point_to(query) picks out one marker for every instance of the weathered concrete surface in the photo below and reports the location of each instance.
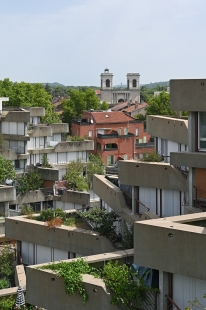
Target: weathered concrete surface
(151, 174)
(81, 198)
(66, 238)
(188, 95)
(172, 244)
(7, 193)
(172, 129)
(46, 289)
(188, 159)
(48, 173)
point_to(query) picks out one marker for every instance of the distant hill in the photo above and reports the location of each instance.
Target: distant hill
(156, 84)
(55, 84)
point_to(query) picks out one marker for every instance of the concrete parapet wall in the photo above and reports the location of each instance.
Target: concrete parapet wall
(168, 128)
(30, 197)
(46, 289)
(174, 244)
(60, 128)
(188, 95)
(151, 174)
(82, 198)
(37, 111)
(188, 159)
(64, 238)
(48, 173)
(7, 193)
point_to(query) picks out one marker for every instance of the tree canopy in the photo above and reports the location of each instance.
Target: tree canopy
(160, 105)
(28, 95)
(80, 100)
(6, 169)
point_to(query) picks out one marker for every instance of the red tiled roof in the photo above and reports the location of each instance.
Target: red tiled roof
(98, 92)
(139, 107)
(110, 117)
(120, 106)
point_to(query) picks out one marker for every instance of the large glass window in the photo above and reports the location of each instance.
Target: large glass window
(202, 130)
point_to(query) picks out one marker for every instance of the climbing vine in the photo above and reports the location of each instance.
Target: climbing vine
(118, 278)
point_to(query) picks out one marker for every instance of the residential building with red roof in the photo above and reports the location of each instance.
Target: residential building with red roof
(115, 134)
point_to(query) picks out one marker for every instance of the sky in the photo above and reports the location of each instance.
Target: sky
(72, 41)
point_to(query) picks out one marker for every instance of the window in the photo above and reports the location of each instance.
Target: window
(144, 139)
(202, 130)
(125, 131)
(119, 130)
(125, 156)
(107, 83)
(128, 84)
(137, 132)
(98, 146)
(110, 160)
(19, 164)
(134, 83)
(90, 133)
(138, 140)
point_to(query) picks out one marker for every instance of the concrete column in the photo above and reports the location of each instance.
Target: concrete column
(6, 208)
(41, 205)
(163, 286)
(134, 196)
(191, 132)
(191, 148)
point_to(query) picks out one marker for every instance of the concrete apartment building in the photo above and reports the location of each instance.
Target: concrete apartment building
(115, 134)
(27, 140)
(114, 96)
(172, 242)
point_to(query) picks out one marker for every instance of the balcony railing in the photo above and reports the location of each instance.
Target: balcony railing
(183, 169)
(200, 200)
(47, 191)
(145, 145)
(171, 304)
(140, 208)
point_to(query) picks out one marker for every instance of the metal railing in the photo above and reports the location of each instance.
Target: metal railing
(171, 304)
(47, 191)
(166, 159)
(151, 300)
(200, 199)
(184, 170)
(140, 208)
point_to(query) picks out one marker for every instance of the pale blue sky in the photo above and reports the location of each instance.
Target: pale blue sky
(72, 41)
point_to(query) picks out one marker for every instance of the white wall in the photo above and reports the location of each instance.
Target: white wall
(187, 289)
(13, 128)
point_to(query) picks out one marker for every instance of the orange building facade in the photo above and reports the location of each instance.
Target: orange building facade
(115, 134)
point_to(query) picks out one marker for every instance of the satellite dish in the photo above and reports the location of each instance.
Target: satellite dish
(92, 121)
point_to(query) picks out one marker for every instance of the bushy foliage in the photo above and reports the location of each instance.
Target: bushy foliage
(6, 169)
(119, 279)
(159, 105)
(102, 220)
(6, 262)
(75, 138)
(74, 177)
(26, 209)
(50, 214)
(29, 95)
(80, 100)
(94, 166)
(29, 181)
(4, 283)
(151, 157)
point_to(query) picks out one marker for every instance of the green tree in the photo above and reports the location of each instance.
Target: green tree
(94, 166)
(104, 106)
(28, 95)
(6, 169)
(74, 176)
(80, 100)
(28, 182)
(160, 105)
(6, 262)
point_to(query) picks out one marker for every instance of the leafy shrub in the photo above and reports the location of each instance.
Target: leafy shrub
(4, 283)
(152, 157)
(26, 209)
(118, 278)
(50, 214)
(7, 303)
(28, 182)
(6, 262)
